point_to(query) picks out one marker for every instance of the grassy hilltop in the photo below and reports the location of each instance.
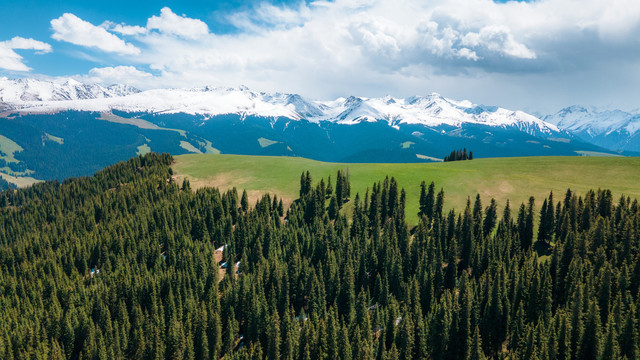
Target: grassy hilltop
(501, 178)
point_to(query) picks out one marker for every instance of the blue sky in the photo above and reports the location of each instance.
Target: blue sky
(31, 19)
(537, 56)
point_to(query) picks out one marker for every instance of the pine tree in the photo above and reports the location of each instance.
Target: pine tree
(590, 345)
(230, 333)
(564, 338)
(333, 208)
(393, 353)
(202, 343)
(305, 184)
(289, 335)
(186, 185)
(477, 218)
(542, 227)
(490, 217)
(476, 346)
(214, 332)
(333, 330)
(244, 202)
(422, 347)
(345, 345)
(423, 198)
(629, 335)
(427, 200)
(467, 243)
(273, 335)
(610, 350)
(437, 211)
(506, 214)
(577, 328)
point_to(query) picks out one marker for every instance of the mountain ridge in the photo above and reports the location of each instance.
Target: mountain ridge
(614, 129)
(25, 90)
(430, 110)
(56, 130)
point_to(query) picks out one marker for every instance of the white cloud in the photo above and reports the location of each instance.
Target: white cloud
(499, 53)
(277, 17)
(72, 29)
(498, 39)
(284, 48)
(10, 60)
(170, 23)
(118, 75)
(20, 43)
(123, 29)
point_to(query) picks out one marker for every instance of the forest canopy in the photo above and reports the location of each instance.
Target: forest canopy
(130, 264)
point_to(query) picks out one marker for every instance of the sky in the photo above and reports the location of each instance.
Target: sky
(538, 56)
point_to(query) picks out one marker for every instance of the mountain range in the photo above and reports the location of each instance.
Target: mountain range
(62, 128)
(612, 129)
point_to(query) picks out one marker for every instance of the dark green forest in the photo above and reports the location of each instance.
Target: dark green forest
(123, 265)
(457, 155)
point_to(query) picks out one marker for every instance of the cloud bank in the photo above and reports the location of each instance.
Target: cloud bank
(549, 52)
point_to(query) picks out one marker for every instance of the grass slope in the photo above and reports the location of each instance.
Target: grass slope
(8, 148)
(501, 178)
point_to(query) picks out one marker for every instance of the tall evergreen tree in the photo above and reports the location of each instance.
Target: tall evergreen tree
(590, 345)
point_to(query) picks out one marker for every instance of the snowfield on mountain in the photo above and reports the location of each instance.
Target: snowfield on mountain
(33, 96)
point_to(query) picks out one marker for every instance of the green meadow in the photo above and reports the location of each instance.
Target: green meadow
(501, 178)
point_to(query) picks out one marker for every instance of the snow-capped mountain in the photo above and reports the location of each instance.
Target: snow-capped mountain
(27, 95)
(23, 91)
(66, 128)
(612, 129)
(431, 110)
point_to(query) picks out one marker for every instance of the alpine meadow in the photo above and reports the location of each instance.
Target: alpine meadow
(320, 180)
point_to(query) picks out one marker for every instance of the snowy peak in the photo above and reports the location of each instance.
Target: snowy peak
(30, 90)
(594, 122)
(121, 90)
(431, 110)
(303, 107)
(351, 110)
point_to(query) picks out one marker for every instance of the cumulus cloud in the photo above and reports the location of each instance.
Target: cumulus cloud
(123, 29)
(20, 43)
(119, 75)
(498, 39)
(170, 23)
(72, 29)
(10, 60)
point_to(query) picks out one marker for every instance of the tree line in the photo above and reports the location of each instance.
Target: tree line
(123, 265)
(460, 154)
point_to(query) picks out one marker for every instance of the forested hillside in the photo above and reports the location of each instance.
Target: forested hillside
(127, 264)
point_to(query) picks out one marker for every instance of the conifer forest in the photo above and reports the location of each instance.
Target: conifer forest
(131, 264)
